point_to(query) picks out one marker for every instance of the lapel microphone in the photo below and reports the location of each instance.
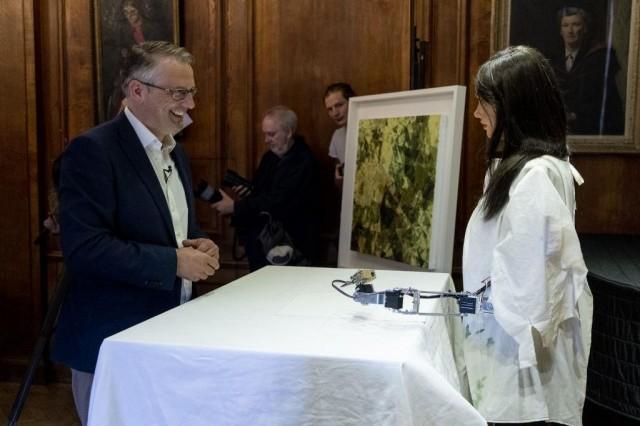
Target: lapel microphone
(167, 173)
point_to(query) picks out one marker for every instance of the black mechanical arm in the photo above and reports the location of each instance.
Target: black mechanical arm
(394, 299)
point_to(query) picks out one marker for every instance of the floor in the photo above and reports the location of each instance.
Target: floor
(53, 405)
(50, 405)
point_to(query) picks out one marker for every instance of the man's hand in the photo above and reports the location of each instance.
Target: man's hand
(51, 223)
(338, 175)
(195, 265)
(204, 245)
(224, 206)
(241, 190)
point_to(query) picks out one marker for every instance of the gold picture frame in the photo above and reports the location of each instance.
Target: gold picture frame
(613, 32)
(118, 25)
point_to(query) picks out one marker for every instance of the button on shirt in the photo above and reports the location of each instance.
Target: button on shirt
(169, 180)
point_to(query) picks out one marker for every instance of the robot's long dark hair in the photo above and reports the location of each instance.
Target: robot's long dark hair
(530, 117)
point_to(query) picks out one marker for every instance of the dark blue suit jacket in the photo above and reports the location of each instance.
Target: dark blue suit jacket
(117, 238)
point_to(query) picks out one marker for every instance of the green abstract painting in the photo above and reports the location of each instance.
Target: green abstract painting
(394, 188)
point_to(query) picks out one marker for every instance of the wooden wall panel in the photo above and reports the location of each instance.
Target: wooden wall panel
(51, 96)
(202, 29)
(79, 67)
(19, 261)
(202, 137)
(449, 58)
(448, 42)
(238, 112)
(609, 200)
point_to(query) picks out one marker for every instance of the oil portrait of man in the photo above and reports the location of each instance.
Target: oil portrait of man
(587, 43)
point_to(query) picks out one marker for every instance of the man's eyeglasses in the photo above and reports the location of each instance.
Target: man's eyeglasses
(177, 94)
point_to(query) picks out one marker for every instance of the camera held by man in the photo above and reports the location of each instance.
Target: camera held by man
(231, 179)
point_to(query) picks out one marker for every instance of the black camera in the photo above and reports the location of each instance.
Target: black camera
(206, 192)
(232, 179)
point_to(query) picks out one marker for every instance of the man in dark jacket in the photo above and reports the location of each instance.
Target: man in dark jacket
(586, 73)
(127, 216)
(284, 189)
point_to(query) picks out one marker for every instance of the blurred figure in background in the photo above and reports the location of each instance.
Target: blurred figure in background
(336, 100)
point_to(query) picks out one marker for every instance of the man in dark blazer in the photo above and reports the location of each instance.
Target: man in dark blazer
(128, 228)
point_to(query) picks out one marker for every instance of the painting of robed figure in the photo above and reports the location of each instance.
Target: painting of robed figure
(119, 25)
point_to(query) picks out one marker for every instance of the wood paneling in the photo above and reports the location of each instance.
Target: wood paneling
(51, 88)
(78, 67)
(202, 139)
(449, 42)
(449, 50)
(239, 113)
(19, 258)
(609, 200)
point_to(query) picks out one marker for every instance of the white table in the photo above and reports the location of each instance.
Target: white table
(281, 347)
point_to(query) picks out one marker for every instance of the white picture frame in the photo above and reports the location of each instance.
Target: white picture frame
(447, 102)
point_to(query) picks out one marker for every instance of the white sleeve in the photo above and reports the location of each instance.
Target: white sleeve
(333, 150)
(538, 273)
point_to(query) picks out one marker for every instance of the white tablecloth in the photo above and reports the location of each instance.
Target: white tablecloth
(281, 347)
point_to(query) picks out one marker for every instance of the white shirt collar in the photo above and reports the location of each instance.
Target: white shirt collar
(572, 52)
(147, 138)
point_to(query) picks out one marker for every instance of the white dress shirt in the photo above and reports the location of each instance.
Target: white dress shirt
(526, 356)
(169, 179)
(338, 143)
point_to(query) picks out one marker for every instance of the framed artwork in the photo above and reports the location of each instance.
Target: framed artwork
(400, 185)
(594, 48)
(119, 25)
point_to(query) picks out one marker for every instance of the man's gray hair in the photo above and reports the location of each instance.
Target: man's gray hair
(141, 60)
(570, 11)
(287, 119)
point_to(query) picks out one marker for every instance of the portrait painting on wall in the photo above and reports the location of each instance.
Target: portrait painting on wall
(401, 180)
(119, 25)
(593, 48)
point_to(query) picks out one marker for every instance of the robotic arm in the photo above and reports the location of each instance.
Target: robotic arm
(468, 303)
